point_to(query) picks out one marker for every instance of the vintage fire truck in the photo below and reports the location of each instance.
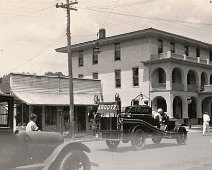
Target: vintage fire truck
(36, 150)
(135, 124)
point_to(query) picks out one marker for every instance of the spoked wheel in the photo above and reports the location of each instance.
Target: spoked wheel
(156, 139)
(182, 136)
(74, 161)
(138, 140)
(112, 144)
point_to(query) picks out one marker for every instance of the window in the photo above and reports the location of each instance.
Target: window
(160, 46)
(186, 50)
(135, 77)
(80, 57)
(95, 56)
(197, 52)
(4, 117)
(95, 75)
(210, 56)
(117, 52)
(50, 115)
(172, 47)
(80, 76)
(135, 102)
(117, 78)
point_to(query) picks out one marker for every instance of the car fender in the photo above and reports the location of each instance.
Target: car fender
(179, 126)
(62, 150)
(138, 126)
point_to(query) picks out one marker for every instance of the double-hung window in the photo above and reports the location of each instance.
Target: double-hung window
(172, 47)
(117, 78)
(95, 56)
(135, 72)
(186, 50)
(197, 52)
(95, 75)
(80, 58)
(210, 55)
(160, 46)
(117, 52)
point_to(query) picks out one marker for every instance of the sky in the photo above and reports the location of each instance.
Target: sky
(31, 30)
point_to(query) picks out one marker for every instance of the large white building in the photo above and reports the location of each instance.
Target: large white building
(174, 71)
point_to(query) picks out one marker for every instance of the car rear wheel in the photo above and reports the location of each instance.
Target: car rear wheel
(112, 144)
(138, 139)
(156, 140)
(182, 136)
(75, 160)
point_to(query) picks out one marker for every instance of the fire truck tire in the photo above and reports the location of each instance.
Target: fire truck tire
(75, 160)
(138, 139)
(182, 136)
(112, 144)
(156, 140)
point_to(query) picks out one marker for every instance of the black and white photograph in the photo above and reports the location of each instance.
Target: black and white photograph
(106, 85)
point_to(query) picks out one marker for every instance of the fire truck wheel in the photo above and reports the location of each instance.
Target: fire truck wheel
(112, 144)
(156, 140)
(75, 160)
(138, 139)
(182, 136)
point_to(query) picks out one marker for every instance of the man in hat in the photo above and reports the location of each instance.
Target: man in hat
(31, 126)
(206, 120)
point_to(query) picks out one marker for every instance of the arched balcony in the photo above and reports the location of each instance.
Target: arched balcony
(177, 79)
(158, 78)
(192, 78)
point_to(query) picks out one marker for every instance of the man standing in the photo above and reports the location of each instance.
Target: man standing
(31, 126)
(206, 120)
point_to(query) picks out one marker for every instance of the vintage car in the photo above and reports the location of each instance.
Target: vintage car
(36, 150)
(135, 124)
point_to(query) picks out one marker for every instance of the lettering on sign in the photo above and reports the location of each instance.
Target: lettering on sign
(108, 107)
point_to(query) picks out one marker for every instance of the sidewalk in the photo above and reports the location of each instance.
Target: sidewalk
(196, 129)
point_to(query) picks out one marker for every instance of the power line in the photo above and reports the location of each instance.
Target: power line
(24, 15)
(38, 54)
(110, 13)
(152, 18)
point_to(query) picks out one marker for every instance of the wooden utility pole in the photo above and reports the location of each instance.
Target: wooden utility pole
(68, 7)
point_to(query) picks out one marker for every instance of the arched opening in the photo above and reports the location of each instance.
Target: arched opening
(192, 108)
(176, 76)
(177, 79)
(158, 78)
(192, 81)
(177, 108)
(211, 79)
(159, 102)
(191, 78)
(203, 80)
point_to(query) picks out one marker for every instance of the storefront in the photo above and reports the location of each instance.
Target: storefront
(48, 98)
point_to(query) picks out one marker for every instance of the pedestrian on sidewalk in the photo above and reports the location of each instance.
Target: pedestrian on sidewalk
(206, 120)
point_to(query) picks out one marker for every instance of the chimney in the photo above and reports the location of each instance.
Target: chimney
(102, 33)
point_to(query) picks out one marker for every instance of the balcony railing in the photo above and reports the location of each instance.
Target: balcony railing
(177, 86)
(181, 57)
(192, 88)
(157, 86)
(207, 88)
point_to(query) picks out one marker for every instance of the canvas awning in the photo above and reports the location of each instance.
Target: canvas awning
(53, 99)
(45, 90)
